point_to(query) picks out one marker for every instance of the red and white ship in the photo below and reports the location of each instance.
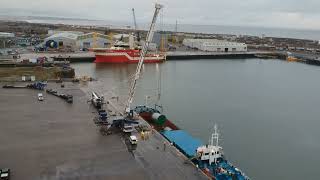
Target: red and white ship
(123, 54)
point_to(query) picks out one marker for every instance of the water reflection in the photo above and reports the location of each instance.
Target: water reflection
(267, 110)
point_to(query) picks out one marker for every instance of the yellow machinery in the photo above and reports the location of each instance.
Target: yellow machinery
(291, 57)
(94, 37)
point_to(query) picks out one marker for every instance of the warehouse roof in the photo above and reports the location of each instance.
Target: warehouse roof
(52, 32)
(67, 35)
(91, 35)
(211, 42)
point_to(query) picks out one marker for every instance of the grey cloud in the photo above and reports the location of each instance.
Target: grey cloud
(270, 13)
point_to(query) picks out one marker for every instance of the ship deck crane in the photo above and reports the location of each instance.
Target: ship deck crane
(135, 25)
(142, 55)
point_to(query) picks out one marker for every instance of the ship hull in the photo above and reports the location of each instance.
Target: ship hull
(121, 59)
(126, 57)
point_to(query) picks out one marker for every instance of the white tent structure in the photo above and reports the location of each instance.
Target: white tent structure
(64, 40)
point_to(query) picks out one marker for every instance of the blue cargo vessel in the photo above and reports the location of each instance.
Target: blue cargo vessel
(209, 158)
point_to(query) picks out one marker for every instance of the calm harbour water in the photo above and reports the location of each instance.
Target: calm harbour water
(267, 110)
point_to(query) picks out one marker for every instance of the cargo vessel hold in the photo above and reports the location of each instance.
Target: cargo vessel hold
(209, 158)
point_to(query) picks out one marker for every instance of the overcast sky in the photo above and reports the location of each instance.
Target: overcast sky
(299, 14)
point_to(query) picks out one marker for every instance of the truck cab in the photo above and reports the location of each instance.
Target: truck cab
(97, 100)
(133, 140)
(40, 97)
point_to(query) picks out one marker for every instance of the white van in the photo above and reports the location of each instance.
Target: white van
(40, 97)
(133, 140)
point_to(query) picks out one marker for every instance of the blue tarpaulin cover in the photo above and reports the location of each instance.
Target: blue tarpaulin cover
(183, 141)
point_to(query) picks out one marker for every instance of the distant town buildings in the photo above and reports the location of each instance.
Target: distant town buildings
(42, 37)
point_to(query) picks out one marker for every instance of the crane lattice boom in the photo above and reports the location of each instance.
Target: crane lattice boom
(142, 55)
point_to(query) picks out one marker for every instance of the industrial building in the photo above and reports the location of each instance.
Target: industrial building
(75, 41)
(5, 38)
(64, 40)
(93, 40)
(213, 45)
(160, 40)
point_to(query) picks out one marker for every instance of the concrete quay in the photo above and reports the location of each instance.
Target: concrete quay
(192, 55)
(171, 55)
(52, 139)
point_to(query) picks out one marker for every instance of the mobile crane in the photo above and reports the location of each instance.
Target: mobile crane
(125, 122)
(144, 50)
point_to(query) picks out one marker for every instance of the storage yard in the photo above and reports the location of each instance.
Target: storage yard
(53, 139)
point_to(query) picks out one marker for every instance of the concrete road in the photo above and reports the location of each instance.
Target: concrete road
(56, 140)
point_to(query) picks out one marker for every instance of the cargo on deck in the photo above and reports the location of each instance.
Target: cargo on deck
(183, 141)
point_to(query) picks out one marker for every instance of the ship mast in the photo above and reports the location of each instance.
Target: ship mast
(212, 147)
(142, 55)
(214, 135)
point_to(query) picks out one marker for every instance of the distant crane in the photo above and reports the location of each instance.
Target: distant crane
(135, 25)
(142, 55)
(163, 35)
(175, 36)
(176, 27)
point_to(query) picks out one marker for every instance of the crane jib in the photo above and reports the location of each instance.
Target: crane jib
(142, 55)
